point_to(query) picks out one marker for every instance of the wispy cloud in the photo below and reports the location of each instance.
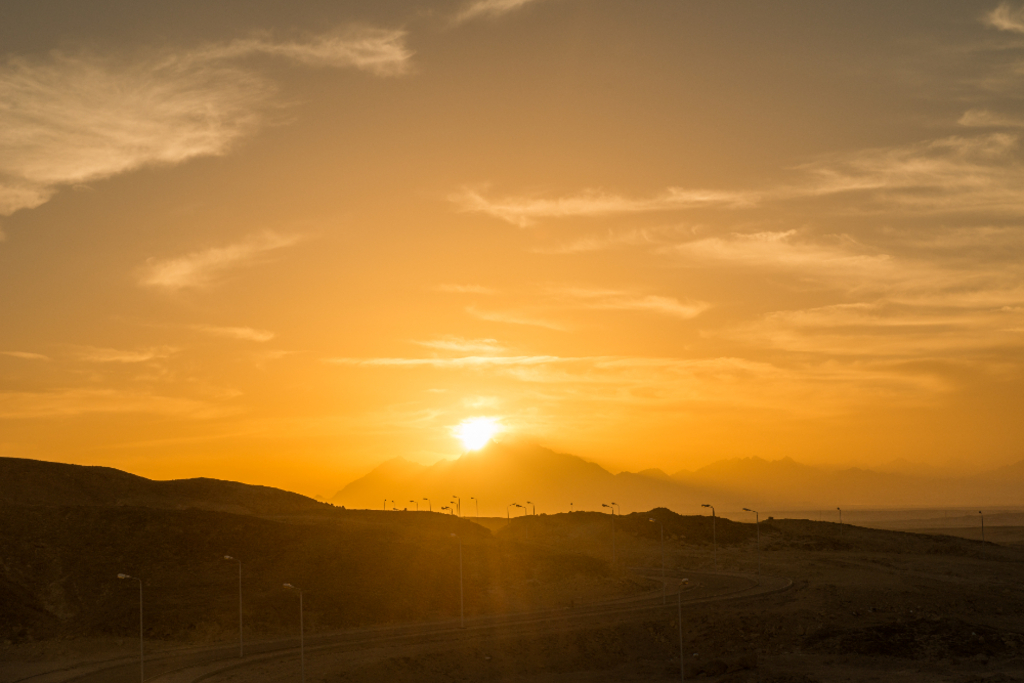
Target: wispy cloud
(70, 402)
(609, 299)
(525, 211)
(462, 345)
(1006, 18)
(461, 362)
(465, 289)
(94, 354)
(489, 8)
(24, 355)
(68, 119)
(242, 333)
(202, 268)
(983, 118)
(516, 318)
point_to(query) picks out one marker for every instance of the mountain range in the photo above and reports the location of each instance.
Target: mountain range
(504, 473)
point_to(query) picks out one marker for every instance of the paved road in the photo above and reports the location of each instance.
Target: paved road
(196, 664)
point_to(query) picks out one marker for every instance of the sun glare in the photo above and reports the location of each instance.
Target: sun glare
(475, 432)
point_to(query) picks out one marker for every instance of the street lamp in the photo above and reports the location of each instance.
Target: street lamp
(385, 508)
(459, 503)
(606, 505)
(477, 505)
(417, 504)
(445, 507)
(757, 525)
(240, 642)
(534, 508)
(302, 633)
(618, 506)
(430, 506)
(142, 650)
(982, 526)
(663, 584)
(462, 601)
(714, 533)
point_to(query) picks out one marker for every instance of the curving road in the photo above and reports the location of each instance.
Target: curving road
(197, 664)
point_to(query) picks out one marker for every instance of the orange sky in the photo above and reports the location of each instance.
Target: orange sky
(282, 242)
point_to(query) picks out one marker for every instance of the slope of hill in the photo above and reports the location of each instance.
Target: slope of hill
(504, 473)
(35, 482)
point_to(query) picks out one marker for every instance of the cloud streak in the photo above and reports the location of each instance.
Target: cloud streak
(240, 333)
(70, 119)
(489, 8)
(202, 268)
(1006, 18)
(525, 211)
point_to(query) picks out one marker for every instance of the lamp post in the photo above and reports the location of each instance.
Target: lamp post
(462, 601)
(982, 526)
(534, 513)
(417, 503)
(385, 508)
(508, 515)
(840, 521)
(241, 643)
(477, 501)
(757, 525)
(142, 649)
(302, 633)
(617, 506)
(445, 507)
(664, 588)
(606, 505)
(430, 506)
(459, 503)
(714, 533)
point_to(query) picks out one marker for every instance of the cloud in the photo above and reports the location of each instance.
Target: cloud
(953, 174)
(94, 354)
(982, 118)
(71, 402)
(461, 362)
(515, 318)
(68, 119)
(465, 289)
(462, 345)
(608, 299)
(1006, 18)
(201, 268)
(242, 333)
(489, 8)
(25, 355)
(525, 211)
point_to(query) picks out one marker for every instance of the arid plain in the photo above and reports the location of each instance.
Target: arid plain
(547, 597)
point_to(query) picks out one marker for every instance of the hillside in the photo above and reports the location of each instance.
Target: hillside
(35, 482)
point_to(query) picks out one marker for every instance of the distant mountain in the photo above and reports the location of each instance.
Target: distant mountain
(35, 482)
(504, 473)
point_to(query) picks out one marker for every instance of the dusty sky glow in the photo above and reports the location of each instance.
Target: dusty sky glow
(280, 243)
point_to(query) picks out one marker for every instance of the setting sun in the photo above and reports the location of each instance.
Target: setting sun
(475, 432)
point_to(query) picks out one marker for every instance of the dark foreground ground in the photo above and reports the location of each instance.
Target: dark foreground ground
(865, 605)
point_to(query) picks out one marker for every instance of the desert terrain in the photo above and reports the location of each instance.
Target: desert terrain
(570, 596)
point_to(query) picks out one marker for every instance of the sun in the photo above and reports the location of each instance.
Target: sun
(475, 432)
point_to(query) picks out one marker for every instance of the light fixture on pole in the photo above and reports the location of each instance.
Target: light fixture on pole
(459, 503)
(982, 526)
(417, 503)
(534, 513)
(462, 600)
(142, 649)
(445, 507)
(302, 633)
(617, 506)
(714, 533)
(757, 525)
(241, 643)
(606, 505)
(477, 500)
(664, 598)
(430, 506)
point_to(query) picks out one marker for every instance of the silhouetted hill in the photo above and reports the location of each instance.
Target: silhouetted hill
(504, 473)
(35, 482)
